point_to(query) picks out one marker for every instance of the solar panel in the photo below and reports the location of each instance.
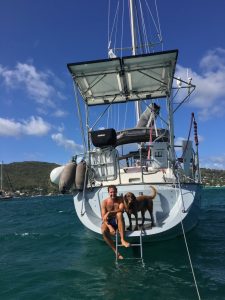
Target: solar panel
(125, 79)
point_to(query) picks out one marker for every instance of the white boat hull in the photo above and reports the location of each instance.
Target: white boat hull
(170, 210)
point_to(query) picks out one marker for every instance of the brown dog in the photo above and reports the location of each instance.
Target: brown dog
(135, 204)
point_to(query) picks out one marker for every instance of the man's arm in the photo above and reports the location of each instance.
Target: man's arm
(119, 209)
(104, 212)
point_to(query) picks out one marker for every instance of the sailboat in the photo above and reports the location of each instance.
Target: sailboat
(3, 194)
(141, 157)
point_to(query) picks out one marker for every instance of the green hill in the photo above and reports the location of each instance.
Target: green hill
(211, 177)
(32, 178)
(29, 177)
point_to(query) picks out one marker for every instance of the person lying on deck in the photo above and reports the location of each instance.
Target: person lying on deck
(112, 209)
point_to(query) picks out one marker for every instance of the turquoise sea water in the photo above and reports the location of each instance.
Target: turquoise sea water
(45, 253)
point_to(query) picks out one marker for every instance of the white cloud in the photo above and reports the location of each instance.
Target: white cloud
(37, 84)
(59, 113)
(60, 128)
(178, 140)
(66, 143)
(213, 162)
(34, 126)
(9, 127)
(209, 95)
(214, 60)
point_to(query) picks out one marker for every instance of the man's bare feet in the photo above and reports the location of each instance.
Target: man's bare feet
(119, 256)
(125, 244)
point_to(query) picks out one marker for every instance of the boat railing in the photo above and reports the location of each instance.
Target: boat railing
(105, 163)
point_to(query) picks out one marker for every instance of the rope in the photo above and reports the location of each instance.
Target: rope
(185, 239)
(82, 212)
(190, 261)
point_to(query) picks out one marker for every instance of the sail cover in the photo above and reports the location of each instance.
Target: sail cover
(124, 79)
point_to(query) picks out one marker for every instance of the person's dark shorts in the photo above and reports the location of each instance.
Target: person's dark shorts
(113, 223)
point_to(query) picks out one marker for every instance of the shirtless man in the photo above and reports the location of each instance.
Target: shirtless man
(112, 215)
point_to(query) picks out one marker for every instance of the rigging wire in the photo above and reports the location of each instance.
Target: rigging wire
(118, 117)
(122, 30)
(144, 33)
(115, 17)
(79, 115)
(160, 32)
(125, 119)
(157, 27)
(116, 26)
(107, 122)
(184, 100)
(139, 25)
(138, 31)
(153, 20)
(142, 9)
(109, 5)
(102, 114)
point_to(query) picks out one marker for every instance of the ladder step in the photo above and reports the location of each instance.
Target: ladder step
(131, 245)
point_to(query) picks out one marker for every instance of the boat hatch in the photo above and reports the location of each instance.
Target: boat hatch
(124, 79)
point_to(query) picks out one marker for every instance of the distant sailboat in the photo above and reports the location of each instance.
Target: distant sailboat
(3, 195)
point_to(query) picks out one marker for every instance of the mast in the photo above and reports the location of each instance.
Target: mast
(133, 28)
(1, 174)
(134, 47)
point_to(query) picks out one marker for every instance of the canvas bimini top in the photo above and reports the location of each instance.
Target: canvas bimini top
(125, 79)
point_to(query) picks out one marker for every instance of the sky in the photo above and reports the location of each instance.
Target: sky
(38, 116)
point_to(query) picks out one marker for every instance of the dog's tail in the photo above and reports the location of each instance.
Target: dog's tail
(154, 192)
